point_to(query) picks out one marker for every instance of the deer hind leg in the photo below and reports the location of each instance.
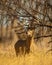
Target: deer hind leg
(17, 49)
(27, 50)
(23, 50)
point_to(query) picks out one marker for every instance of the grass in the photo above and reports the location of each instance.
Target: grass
(35, 57)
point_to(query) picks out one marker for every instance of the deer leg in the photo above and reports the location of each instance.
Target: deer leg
(22, 50)
(17, 50)
(28, 50)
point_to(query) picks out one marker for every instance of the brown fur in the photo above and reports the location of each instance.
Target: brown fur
(23, 44)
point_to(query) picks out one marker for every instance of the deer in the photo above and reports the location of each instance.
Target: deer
(23, 44)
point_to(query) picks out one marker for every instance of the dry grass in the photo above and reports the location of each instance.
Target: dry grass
(31, 59)
(37, 56)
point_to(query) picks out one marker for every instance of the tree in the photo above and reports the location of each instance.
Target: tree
(38, 13)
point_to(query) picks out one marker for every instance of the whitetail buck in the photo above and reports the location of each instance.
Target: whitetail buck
(25, 37)
(23, 43)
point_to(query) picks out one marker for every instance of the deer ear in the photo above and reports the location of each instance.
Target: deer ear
(30, 33)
